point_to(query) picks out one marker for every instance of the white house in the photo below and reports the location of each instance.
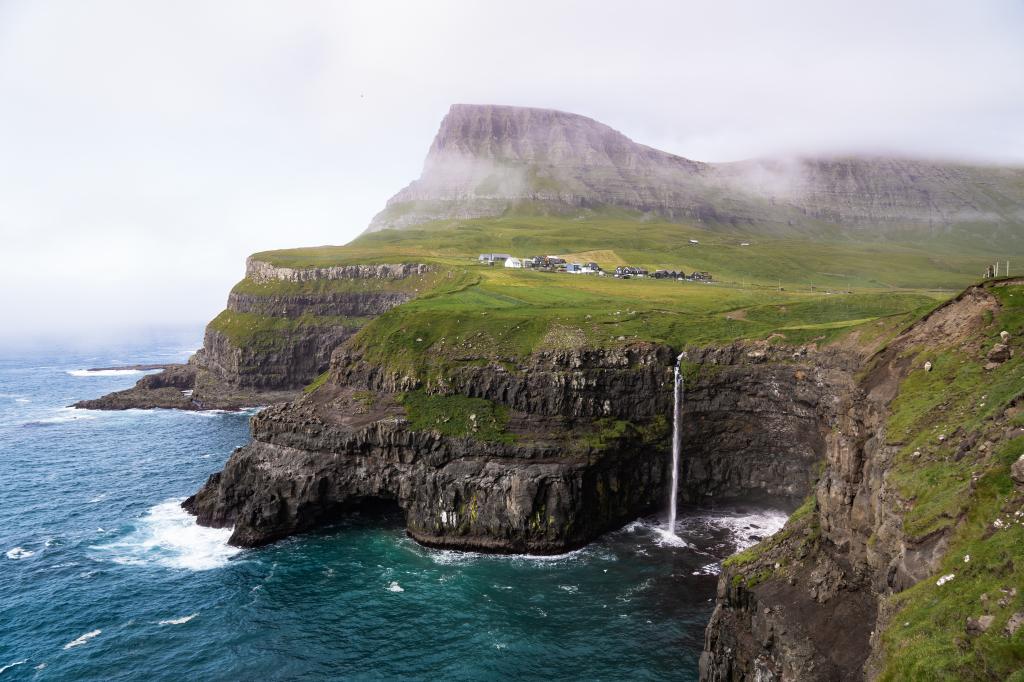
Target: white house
(513, 263)
(694, 242)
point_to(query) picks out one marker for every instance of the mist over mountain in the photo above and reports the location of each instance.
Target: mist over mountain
(487, 159)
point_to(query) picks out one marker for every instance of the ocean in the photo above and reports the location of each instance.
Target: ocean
(104, 577)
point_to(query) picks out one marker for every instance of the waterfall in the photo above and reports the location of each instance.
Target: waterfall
(677, 412)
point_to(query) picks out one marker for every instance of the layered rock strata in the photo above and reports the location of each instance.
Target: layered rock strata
(586, 447)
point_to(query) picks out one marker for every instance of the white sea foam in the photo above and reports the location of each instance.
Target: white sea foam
(63, 416)
(169, 536)
(22, 400)
(453, 557)
(18, 553)
(11, 665)
(178, 621)
(104, 372)
(83, 639)
(713, 568)
(395, 587)
(747, 528)
(667, 538)
(743, 529)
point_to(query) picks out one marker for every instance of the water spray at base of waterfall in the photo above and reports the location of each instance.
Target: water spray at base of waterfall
(677, 411)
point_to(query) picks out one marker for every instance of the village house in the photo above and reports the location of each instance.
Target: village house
(511, 262)
(492, 258)
(541, 262)
(627, 271)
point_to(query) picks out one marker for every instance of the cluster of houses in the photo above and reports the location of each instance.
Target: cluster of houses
(556, 264)
(549, 263)
(627, 272)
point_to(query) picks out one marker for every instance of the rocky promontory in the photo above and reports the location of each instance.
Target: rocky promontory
(275, 336)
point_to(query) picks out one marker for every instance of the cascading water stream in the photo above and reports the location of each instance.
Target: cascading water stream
(677, 410)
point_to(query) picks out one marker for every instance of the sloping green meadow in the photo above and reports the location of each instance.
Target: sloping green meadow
(798, 290)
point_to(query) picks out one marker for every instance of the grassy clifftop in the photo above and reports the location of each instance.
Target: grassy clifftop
(798, 290)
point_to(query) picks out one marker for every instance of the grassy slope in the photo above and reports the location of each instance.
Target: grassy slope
(949, 262)
(828, 287)
(926, 639)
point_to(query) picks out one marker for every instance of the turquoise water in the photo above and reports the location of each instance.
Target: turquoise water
(103, 577)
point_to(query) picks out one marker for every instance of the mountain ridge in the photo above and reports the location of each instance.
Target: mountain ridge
(487, 159)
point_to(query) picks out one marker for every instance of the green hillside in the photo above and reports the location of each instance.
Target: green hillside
(945, 261)
(788, 289)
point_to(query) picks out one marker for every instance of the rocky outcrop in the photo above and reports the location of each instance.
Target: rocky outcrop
(586, 448)
(312, 461)
(777, 609)
(355, 304)
(294, 359)
(172, 388)
(262, 271)
(486, 159)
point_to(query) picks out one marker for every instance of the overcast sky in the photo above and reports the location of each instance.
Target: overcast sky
(147, 147)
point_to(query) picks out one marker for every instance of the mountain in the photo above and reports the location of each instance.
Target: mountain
(486, 160)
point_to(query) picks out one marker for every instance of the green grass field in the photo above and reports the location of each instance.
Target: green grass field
(794, 290)
(946, 262)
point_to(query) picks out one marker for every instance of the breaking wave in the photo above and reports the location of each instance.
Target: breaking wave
(18, 553)
(169, 536)
(63, 416)
(104, 372)
(83, 639)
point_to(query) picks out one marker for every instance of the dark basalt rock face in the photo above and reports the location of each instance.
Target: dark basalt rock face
(554, 486)
(757, 418)
(296, 359)
(351, 304)
(301, 471)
